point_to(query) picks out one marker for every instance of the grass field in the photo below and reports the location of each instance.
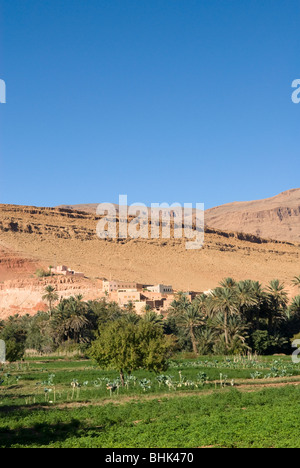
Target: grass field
(215, 402)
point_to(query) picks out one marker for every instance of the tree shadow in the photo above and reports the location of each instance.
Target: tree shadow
(39, 434)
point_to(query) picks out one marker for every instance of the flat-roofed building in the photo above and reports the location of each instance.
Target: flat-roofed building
(161, 288)
(128, 295)
(115, 285)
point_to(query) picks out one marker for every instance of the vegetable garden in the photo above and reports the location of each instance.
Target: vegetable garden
(72, 403)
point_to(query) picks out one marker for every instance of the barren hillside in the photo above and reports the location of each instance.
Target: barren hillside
(273, 218)
(50, 236)
(276, 218)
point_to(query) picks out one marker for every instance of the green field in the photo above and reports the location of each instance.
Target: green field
(200, 402)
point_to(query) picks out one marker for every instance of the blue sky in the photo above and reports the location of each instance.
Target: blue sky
(162, 100)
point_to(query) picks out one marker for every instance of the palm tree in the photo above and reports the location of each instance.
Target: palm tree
(295, 305)
(277, 299)
(229, 283)
(190, 320)
(152, 316)
(129, 307)
(247, 298)
(224, 301)
(70, 319)
(202, 303)
(260, 295)
(180, 304)
(206, 340)
(237, 334)
(50, 296)
(296, 281)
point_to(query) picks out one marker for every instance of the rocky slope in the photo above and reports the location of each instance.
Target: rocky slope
(275, 218)
(272, 218)
(32, 238)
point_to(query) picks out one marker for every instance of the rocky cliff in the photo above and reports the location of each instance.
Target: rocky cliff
(32, 238)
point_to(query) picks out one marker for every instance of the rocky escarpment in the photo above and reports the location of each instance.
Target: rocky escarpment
(38, 237)
(276, 218)
(25, 296)
(69, 224)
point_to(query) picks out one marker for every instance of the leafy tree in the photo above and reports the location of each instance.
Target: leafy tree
(39, 333)
(260, 341)
(180, 303)
(206, 338)
(14, 334)
(126, 347)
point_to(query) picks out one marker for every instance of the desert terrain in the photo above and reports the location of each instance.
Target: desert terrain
(274, 218)
(33, 237)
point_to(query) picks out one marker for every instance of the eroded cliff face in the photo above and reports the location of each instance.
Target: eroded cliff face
(32, 238)
(24, 296)
(275, 218)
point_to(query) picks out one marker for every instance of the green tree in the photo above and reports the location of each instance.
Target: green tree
(296, 281)
(125, 347)
(277, 299)
(261, 341)
(224, 301)
(50, 296)
(71, 320)
(237, 335)
(190, 319)
(14, 333)
(152, 316)
(228, 283)
(247, 298)
(295, 305)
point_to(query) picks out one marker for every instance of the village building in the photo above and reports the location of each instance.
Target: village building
(64, 270)
(160, 288)
(158, 297)
(126, 296)
(115, 285)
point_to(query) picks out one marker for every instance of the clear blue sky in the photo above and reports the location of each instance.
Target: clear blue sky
(162, 100)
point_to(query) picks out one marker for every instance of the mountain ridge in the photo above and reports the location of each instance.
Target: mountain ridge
(276, 217)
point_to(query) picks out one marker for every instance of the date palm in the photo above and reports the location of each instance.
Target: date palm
(76, 320)
(277, 298)
(50, 296)
(206, 340)
(180, 304)
(190, 320)
(228, 283)
(224, 301)
(152, 316)
(260, 296)
(247, 298)
(295, 305)
(296, 281)
(70, 319)
(237, 334)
